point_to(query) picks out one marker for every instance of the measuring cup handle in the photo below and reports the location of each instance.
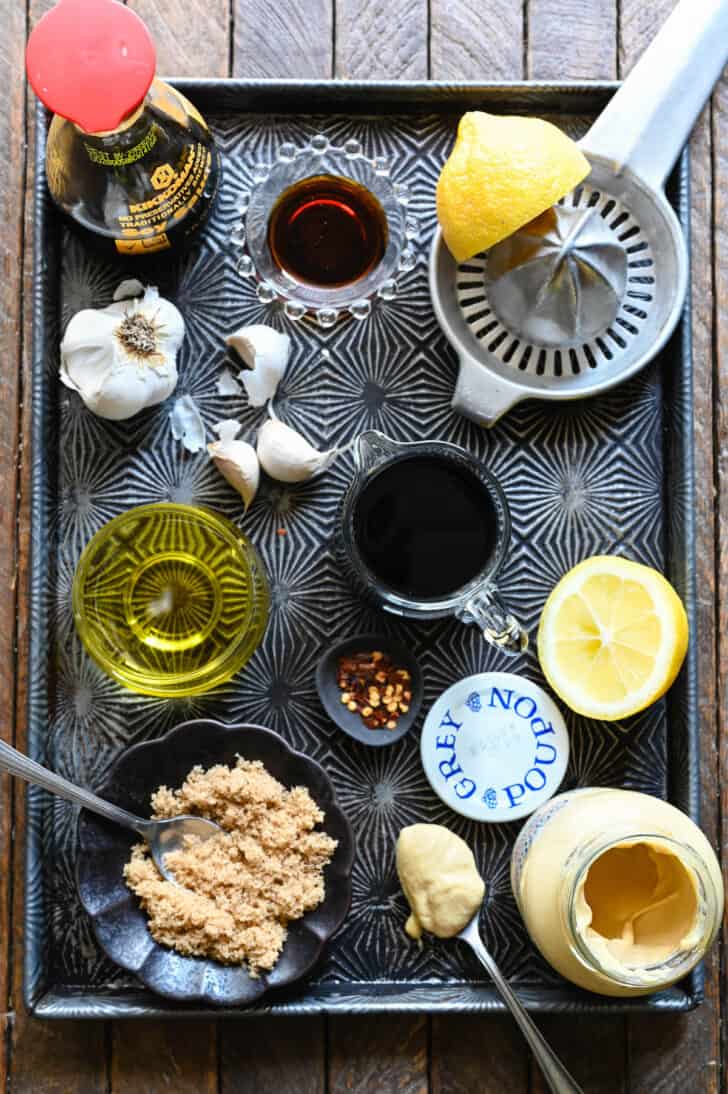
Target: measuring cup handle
(648, 120)
(498, 626)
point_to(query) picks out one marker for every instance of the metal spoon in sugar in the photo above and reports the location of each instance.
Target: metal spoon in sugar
(162, 836)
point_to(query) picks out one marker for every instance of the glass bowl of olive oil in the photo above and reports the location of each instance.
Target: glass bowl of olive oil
(170, 600)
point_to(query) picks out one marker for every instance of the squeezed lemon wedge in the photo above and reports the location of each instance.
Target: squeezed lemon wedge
(501, 173)
(612, 637)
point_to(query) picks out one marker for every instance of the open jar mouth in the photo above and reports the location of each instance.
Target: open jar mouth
(680, 961)
(295, 165)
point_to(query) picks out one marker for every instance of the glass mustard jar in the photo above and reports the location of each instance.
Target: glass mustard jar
(621, 892)
(128, 158)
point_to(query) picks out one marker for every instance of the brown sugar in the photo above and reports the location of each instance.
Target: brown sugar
(238, 890)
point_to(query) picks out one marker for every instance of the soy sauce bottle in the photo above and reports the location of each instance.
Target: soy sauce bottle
(128, 158)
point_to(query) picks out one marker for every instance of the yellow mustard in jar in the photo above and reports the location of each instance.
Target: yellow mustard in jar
(621, 892)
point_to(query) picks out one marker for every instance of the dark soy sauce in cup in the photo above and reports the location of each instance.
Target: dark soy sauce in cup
(425, 526)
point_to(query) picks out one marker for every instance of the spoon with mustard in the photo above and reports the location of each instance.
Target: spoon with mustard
(162, 836)
(445, 893)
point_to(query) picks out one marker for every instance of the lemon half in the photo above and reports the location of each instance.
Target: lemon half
(612, 637)
(502, 172)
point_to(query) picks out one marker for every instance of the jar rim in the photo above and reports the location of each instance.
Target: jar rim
(678, 964)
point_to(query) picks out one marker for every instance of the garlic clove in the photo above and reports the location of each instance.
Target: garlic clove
(287, 456)
(130, 287)
(236, 460)
(265, 351)
(168, 318)
(124, 392)
(187, 424)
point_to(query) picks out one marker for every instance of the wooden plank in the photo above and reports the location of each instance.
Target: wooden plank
(474, 1052)
(682, 1052)
(12, 126)
(376, 39)
(571, 40)
(45, 1057)
(273, 1056)
(378, 1053)
(192, 36)
(470, 40)
(572, 1038)
(283, 38)
(638, 25)
(48, 1059)
(720, 258)
(157, 1057)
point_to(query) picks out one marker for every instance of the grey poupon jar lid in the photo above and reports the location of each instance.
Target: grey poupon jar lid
(494, 747)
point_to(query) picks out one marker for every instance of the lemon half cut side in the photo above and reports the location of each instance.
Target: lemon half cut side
(612, 637)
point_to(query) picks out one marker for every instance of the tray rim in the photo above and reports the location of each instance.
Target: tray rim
(367, 97)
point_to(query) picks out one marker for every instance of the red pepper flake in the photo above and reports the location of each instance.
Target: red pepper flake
(282, 532)
(375, 688)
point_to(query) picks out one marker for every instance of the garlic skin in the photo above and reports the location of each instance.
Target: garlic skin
(187, 424)
(287, 456)
(265, 351)
(122, 358)
(237, 461)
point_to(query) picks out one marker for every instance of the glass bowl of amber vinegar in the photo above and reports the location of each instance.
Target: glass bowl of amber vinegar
(325, 231)
(170, 600)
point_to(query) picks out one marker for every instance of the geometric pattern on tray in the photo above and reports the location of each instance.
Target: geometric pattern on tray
(580, 478)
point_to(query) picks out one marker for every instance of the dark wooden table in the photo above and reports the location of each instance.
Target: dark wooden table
(481, 40)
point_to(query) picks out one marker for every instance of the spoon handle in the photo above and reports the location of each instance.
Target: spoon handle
(24, 768)
(554, 1072)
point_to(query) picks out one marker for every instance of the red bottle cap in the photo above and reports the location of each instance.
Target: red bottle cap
(91, 61)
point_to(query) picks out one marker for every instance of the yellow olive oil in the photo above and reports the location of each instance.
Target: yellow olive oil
(170, 599)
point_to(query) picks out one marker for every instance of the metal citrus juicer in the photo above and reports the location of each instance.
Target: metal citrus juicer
(585, 295)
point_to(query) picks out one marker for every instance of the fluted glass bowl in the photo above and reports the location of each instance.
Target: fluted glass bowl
(292, 165)
(118, 921)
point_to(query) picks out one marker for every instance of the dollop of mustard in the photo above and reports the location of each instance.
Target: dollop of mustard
(439, 877)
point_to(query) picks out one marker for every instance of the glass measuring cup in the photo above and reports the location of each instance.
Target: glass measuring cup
(477, 600)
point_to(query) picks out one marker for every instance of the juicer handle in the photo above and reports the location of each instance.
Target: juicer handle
(481, 395)
(646, 123)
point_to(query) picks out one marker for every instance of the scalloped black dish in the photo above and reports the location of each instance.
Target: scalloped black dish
(120, 924)
(350, 721)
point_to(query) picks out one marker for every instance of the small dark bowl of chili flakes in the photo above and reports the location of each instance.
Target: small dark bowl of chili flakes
(371, 686)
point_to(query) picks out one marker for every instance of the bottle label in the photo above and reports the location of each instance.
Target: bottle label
(118, 158)
(144, 246)
(177, 192)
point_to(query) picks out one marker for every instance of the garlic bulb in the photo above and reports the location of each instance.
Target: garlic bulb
(236, 460)
(122, 358)
(287, 456)
(265, 351)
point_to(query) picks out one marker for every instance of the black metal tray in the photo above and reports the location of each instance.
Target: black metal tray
(614, 473)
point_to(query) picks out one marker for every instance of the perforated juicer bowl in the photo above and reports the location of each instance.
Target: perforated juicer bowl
(583, 298)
